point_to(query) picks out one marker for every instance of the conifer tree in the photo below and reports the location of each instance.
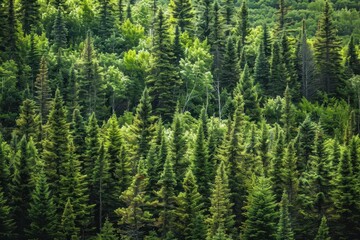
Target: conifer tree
(327, 55)
(42, 211)
(287, 117)
(261, 216)
(59, 31)
(7, 224)
(203, 18)
(121, 13)
(262, 69)
(277, 72)
(228, 6)
(266, 42)
(142, 125)
(264, 146)
(221, 214)
(323, 231)
(200, 160)
(133, 216)
(5, 156)
(191, 209)
(290, 174)
(55, 144)
(182, 12)
(163, 81)
(78, 134)
(122, 173)
(243, 28)
(242, 58)
(92, 143)
(28, 122)
(107, 232)
(43, 92)
(284, 231)
(69, 230)
(10, 41)
(248, 90)
(352, 62)
(220, 235)
(167, 199)
(282, 11)
(277, 168)
(72, 91)
(106, 19)
(305, 144)
(230, 73)
(30, 15)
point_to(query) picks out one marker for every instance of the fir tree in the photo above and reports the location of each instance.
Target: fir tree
(72, 91)
(261, 215)
(277, 168)
(327, 47)
(69, 230)
(78, 134)
(107, 20)
(243, 27)
(323, 231)
(42, 211)
(230, 74)
(277, 72)
(287, 117)
(262, 69)
(55, 144)
(290, 174)
(121, 14)
(92, 143)
(282, 11)
(191, 209)
(43, 92)
(352, 60)
(28, 122)
(10, 41)
(107, 232)
(221, 215)
(266, 42)
(305, 145)
(163, 81)
(182, 12)
(133, 216)
(7, 224)
(30, 15)
(59, 31)
(228, 6)
(203, 18)
(284, 231)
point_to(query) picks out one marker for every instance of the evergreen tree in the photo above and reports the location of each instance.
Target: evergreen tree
(10, 41)
(203, 18)
(106, 19)
(228, 6)
(43, 92)
(221, 214)
(266, 42)
(305, 144)
(182, 12)
(163, 81)
(327, 55)
(78, 134)
(243, 28)
(121, 14)
(323, 231)
(55, 144)
(7, 224)
(290, 174)
(92, 142)
(42, 211)
(277, 72)
(230, 74)
(72, 91)
(277, 168)
(142, 125)
(200, 161)
(167, 199)
(28, 122)
(262, 69)
(352, 60)
(284, 231)
(59, 31)
(69, 231)
(30, 15)
(282, 11)
(191, 209)
(122, 176)
(107, 232)
(133, 216)
(261, 215)
(287, 117)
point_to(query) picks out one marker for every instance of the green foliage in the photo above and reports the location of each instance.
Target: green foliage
(323, 231)
(284, 231)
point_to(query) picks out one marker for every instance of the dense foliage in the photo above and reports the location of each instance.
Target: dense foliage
(180, 119)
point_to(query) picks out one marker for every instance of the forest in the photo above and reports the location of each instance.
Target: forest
(179, 119)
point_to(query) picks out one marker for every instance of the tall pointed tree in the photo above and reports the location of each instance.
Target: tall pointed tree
(59, 31)
(68, 229)
(230, 73)
(28, 122)
(30, 15)
(323, 231)
(43, 92)
(262, 69)
(106, 19)
(352, 60)
(284, 231)
(277, 72)
(182, 12)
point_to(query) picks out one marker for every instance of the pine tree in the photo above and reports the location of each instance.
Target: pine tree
(78, 134)
(133, 216)
(262, 69)
(277, 168)
(203, 18)
(352, 62)
(107, 232)
(142, 125)
(163, 81)
(284, 231)
(10, 41)
(28, 122)
(106, 19)
(200, 161)
(261, 215)
(42, 211)
(228, 6)
(43, 92)
(305, 144)
(182, 12)
(121, 14)
(30, 15)
(277, 72)
(167, 200)
(59, 31)
(266, 42)
(69, 230)
(230, 73)
(191, 209)
(265, 147)
(287, 117)
(7, 224)
(72, 91)
(290, 174)
(55, 144)
(282, 11)
(122, 176)
(323, 231)
(92, 142)
(327, 47)
(247, 89)
(221, 214)
(243, 27)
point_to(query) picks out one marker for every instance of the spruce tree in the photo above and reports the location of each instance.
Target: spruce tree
(221, 214)
(10, 41)
(30, 15)
(43, 92)
(203, 18)
(78, 134)
(7, 224)
(282, 11)
(59, 31)
(287, 117)
(42, 211)
(290, 174)
(323, 231)
(120, 7)
(107, 232)
(191, 209)
(55, 144)
(230, 74)
(352, 62)
(163, 80)
(277, 72)
(261, 216)
(327, 52)
(266, 42)
(92, 142)
(28, 121)
(106, 19)
(262, 69)
(277, 168)
(305, 143)
(68, 228)
(228, 6)
(182, 12)
(284, 231)
(243, 28)
(167, 200)
(134, 216)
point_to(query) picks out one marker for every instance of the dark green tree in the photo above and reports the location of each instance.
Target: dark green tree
(183, 14)
(282, 11)
(78, 134)
(262, 69)
(43, 92)
(266, 42)
(290, 174)
(11, 41)
(323, 231)
(277, 72)
(277, 167)
(106, 19)
(352, 62)
(59, 31)
(68, 229)
(107, 232)
(7, 224)
(203, 18)
(243, 26)
(261, 216)
(121, 13)
(30, 15)
(305, 143)
(92, 142)
(284, 231)
(228, 6)
(230, 73)
(28, 121)
(327, 52)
